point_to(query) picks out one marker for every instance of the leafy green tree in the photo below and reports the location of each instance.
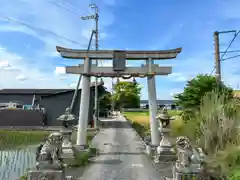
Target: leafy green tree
(105, 101)
(196, 88)
(126, 95)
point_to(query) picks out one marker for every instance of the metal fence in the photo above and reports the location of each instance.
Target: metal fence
(15, 163)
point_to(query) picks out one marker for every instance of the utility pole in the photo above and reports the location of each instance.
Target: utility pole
(96, 78)
(217, 56)
(95, 17)
(217, 52)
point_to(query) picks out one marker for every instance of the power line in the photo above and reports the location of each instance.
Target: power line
(234, 51)
(231, 57)
(212, 71)
(38, 29)
(226, 51)
(229, 45)
(64, 7)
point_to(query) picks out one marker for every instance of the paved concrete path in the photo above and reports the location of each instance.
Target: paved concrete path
(121, 155)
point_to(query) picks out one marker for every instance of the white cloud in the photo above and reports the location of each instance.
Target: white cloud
(177, 77)
(25, 76)
(58, 25)
(21, 78)
(4, 64)
(53, 23)
(175, 91)
(60, 70)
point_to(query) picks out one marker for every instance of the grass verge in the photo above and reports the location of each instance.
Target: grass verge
(82, 157)
(140, 120)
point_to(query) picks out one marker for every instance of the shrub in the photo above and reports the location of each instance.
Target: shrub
(195, 89)
(226, 162)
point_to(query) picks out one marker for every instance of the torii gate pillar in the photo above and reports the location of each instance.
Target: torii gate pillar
(152, 101)
(84, 105)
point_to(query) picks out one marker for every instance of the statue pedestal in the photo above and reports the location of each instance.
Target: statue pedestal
(46, 174)
(67, 147)
(191, 172)
(165, 149)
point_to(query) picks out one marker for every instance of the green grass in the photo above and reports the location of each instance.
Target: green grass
(171, 113)
(82, 157)
(11, 139)
(142, 118)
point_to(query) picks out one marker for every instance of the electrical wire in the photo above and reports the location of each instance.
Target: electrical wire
(64, 8)
(212, 71)
(234, 51)
(37, 29)
(231, 57)
(221, 59)
(229, 45)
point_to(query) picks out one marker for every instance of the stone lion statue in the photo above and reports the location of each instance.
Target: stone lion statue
(48, 155)
(189, 158)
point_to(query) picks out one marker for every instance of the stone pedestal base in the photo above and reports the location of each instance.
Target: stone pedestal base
(68, 155)
(67, 148)
(46, 174)
(186, 176)
(165, 150)
(67, 152)
(79, 148)
(188, 173)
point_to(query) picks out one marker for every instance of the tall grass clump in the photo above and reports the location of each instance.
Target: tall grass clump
(217, 132)
(218, 121)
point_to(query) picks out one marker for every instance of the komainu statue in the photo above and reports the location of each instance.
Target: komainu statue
(189, 159)
(48, 155)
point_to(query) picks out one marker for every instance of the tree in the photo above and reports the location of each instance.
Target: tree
(196, 88)
(105, 101)
(126, 95)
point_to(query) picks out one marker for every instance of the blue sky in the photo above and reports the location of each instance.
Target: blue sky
(28, 58)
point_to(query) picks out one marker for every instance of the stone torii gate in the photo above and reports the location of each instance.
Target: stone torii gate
(119, 69)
